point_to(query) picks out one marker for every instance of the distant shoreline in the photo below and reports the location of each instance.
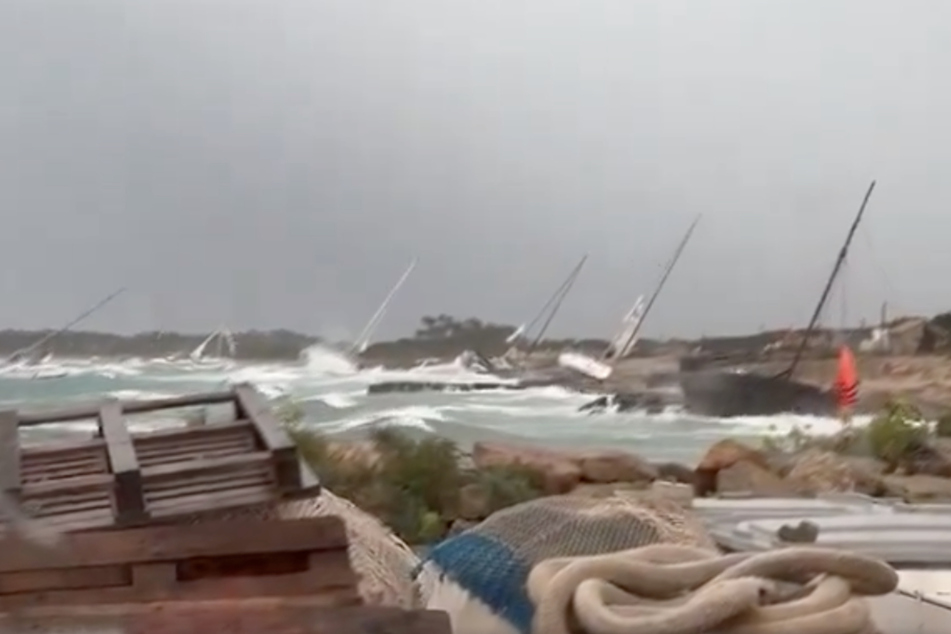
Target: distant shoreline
(440, 338)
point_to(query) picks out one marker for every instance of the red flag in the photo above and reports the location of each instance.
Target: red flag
(846, 380)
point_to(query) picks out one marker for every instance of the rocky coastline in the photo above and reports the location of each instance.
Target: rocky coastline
(425, 489)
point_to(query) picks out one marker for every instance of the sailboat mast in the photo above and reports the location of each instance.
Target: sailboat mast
(660, 287)
(367, 331)
(76, 320)
(553, 298)
(556, 302)
(840, 260)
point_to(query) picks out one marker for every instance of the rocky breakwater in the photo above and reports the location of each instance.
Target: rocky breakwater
(425, 489)
(732, 468)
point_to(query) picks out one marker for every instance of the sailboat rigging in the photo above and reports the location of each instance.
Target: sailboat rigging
(623, 342)
(362, 342)
(225, 346)
(723, 393)
(25, 360)
(548, 310)
(628, 343)
(839, 261)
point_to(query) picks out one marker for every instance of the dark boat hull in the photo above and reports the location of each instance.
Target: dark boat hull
(724, 394)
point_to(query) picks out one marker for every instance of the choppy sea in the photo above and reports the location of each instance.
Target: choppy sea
(333, 395)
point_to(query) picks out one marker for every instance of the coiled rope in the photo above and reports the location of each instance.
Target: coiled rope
(668, 589)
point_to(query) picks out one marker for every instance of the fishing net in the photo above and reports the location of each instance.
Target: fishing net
(489, 564)
(383, 563)
(381, 560)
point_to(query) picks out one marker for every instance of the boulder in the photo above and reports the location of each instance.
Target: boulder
(560, 473)
(932, 459)
(749, 478)
(475, 503)
(815, 471)
(920, 488)
(724, 454)
(614, 466)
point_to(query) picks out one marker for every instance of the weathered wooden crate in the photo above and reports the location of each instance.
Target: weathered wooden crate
(237, 576)
(233, 618)
(238, 559)
(125, 479)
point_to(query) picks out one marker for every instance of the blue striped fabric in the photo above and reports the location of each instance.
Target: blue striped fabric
(489, 571)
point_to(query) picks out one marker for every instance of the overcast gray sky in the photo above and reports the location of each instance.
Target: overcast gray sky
(278, 163)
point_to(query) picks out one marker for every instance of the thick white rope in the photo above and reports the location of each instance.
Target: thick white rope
(666, 589)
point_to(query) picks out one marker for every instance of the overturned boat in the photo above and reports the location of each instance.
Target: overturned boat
(722, 392)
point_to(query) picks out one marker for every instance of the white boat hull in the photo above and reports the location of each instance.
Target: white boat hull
(585, 365)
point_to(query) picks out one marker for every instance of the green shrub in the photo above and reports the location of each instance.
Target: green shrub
(943, 426)
(414, 484)
(894, 433)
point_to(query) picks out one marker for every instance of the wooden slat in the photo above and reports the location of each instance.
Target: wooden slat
(265, 616)
(91, 410)
(158, 582)
(178, 470)
(130, 502)
(9, 452)
(172, 542)
(251, 405)
(176, 433)
(45, 488)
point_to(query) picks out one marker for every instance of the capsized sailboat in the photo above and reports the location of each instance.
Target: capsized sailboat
(724, 393)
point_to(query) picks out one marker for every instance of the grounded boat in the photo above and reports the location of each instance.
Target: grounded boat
(727, 393)
(225, 349)
(624, 340)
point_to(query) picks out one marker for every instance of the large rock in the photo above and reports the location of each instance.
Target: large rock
(815, 471)
(560, 473)
(748, 478)
(475, 503)
(932, 459)
(920, 488)
(724, 454)
(564, 470)
(614, 466)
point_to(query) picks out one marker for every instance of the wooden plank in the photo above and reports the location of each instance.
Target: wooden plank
(158, 582)
(9, 452)
(130, 502)
(251, 405)
(91, 410)
(174, 542)
(175, 470)
(208, 429)
(234, 617)
(44, 488)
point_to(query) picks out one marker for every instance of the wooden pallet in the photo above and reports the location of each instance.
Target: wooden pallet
(125, 479)
(239, 559)
(240, 576)
(234, 618)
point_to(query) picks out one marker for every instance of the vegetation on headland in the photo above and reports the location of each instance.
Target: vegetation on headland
(897, 436)
(438, 336)
(421, 488)
(417, 487)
